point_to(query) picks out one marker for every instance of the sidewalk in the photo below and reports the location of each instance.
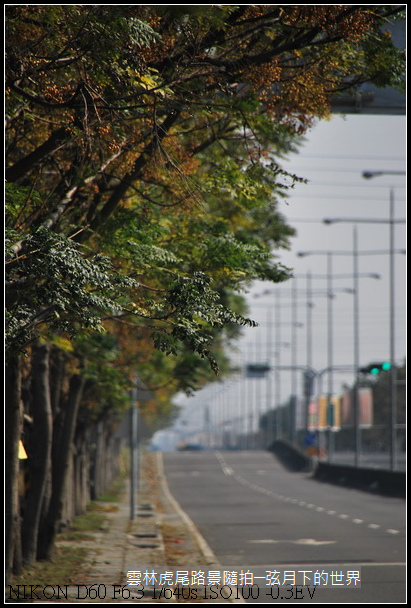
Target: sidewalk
(160, 539)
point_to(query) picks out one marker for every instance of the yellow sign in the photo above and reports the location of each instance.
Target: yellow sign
(322, 412)
(329, 413)
(22, 451)
(336, 404)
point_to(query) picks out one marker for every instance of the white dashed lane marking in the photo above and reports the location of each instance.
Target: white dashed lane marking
(229, 471)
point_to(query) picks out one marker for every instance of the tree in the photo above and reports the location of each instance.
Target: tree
(84, 150)
(143, 153)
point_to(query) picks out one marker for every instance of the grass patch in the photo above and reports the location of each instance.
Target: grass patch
(62, 569)
(70, 557)
(89, 522)
(115, 490)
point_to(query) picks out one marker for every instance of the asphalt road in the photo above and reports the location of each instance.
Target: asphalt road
(292, 538)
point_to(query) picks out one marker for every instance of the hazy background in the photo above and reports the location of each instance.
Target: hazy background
(332, 159)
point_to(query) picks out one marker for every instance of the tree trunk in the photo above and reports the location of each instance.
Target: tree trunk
(61, 456)
(98, 459)
(56, 379)
(82, 494)
(57, 368)
(40, 451)
(13, 422)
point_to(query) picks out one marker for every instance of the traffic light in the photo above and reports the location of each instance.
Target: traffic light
(375, 368)
(308, 382)
(257, 370)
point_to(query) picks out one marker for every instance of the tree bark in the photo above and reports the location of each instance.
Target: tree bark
(13, 422)
(61, 457)
(40, 451)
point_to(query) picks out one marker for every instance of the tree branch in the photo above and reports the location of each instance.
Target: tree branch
(24, 165)
(120, 190)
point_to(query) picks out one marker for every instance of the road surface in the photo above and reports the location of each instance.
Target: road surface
(294, 539)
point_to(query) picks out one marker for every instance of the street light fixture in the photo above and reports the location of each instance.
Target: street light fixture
(371, 174)
(355, 290)
(393, 376)
(359, 220)
(391, 221)
(309, 292)
(329, 328)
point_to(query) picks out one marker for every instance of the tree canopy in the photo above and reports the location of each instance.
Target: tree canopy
(143, 154)
(143, 179)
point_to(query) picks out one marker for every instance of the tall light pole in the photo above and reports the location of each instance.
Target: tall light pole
(310, 293)
(133, 450)
(358, 447)
(393, 371)
(330, 351)
(355, 275)
(393, 374)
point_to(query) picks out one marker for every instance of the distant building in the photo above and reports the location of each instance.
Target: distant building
(368, 99)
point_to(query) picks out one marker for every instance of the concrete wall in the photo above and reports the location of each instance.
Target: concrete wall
(381, 481)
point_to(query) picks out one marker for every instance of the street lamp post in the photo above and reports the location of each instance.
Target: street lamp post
(358, 447)
(309, 292)
(264, 367)
(356, 275)
(329, 293)
(330, 351)
(133, 451)
(393, 371)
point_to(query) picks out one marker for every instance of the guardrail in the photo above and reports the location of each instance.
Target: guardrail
(380, 481)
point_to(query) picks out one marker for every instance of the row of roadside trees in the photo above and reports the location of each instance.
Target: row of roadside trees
(143, 174)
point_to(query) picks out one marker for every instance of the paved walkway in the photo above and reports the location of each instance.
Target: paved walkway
(142, 559)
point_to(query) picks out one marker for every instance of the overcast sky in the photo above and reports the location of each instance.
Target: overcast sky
(335, 154)
(333, 159)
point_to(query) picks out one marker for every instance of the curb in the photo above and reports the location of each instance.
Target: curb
(208, 554)
(209, 557)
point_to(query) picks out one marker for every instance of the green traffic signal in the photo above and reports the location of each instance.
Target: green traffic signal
(375, 368)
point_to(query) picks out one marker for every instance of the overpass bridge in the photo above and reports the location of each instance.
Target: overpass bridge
(369, 99)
